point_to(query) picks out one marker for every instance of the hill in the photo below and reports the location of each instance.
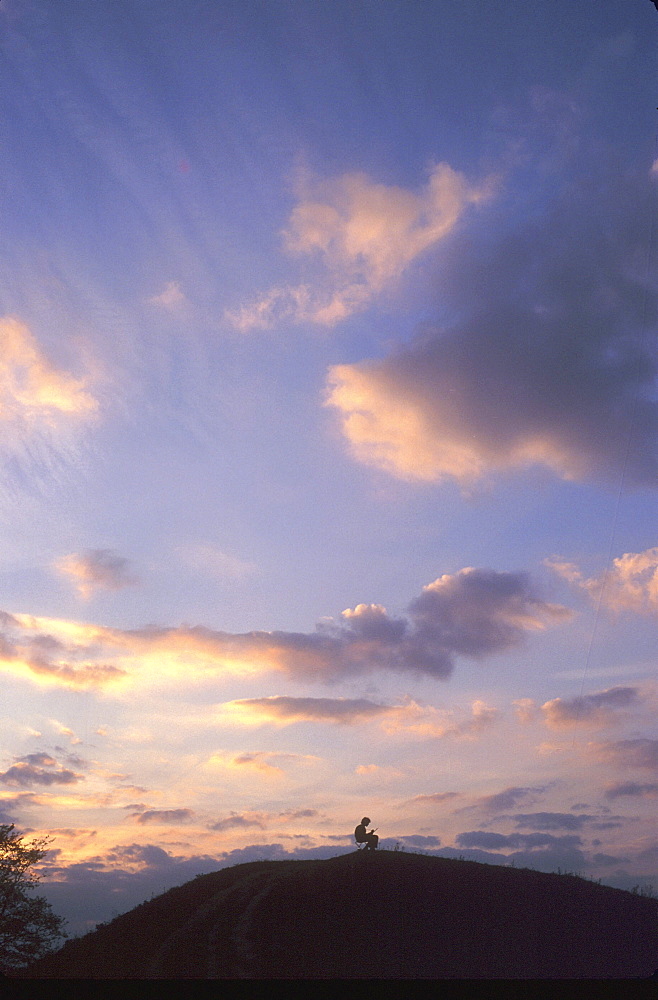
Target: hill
(374, 916)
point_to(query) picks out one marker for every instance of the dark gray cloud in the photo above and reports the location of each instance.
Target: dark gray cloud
(549, 356)
(549, 859)
(474, 613)
(39, 759)
(631, 788)
(23, 774)
(420, 840)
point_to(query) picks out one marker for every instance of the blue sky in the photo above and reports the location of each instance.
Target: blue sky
(328, 429)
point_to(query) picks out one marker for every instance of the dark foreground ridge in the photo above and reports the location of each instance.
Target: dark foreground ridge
(374, 916)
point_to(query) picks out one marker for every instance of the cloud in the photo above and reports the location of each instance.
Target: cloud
(631, 789)
(298, 813)
(169, 816)
(23, 774)
(599, 708)
(219, 564)
(552, 821)
(285, 710)
(40, 759)
(419, 840)
(435, 797)
(237, 821)
(429, 722)
(32, 390)
(525, 710)
(170, 298)
(408, 718)
(364, 235)
(261, 762)
(630, 584)
(526, 841)
(96, 569)
(544, 360)
(63, 730)
(29, 650)
(641, 753)
(506, 799)
(474, 613)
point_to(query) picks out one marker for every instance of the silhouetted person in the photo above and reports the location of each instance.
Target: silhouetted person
(362, 836)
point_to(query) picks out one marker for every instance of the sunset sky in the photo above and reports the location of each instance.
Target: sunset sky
(329, 435)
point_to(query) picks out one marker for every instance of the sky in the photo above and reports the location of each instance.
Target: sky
(328, 435)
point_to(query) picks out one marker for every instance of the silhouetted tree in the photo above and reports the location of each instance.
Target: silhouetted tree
(28, 927)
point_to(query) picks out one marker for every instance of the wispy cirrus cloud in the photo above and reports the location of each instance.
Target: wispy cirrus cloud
(408, 718)
(172, 296)
(474, 613)
(211, 560)
(364, 235)
(264, 763)
(96, 569)
(44, 409)
(32, 390)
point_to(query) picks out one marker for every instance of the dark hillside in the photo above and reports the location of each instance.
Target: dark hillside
(383, 915)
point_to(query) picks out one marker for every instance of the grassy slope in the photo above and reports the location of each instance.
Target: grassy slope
(384, 915)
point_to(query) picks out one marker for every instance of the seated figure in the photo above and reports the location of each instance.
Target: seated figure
(362, 836)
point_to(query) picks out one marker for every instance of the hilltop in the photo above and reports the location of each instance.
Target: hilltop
(374, 916)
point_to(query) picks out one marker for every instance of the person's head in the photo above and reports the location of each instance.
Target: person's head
(365, 820)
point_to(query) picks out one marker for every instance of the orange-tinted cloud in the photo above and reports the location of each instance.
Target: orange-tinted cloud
(364, 235)
(597, 709)
(286, 710)
(546, 361)
(32, 390)
(630, 584)
(473, 613)
(264, 763)
(168, 816)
